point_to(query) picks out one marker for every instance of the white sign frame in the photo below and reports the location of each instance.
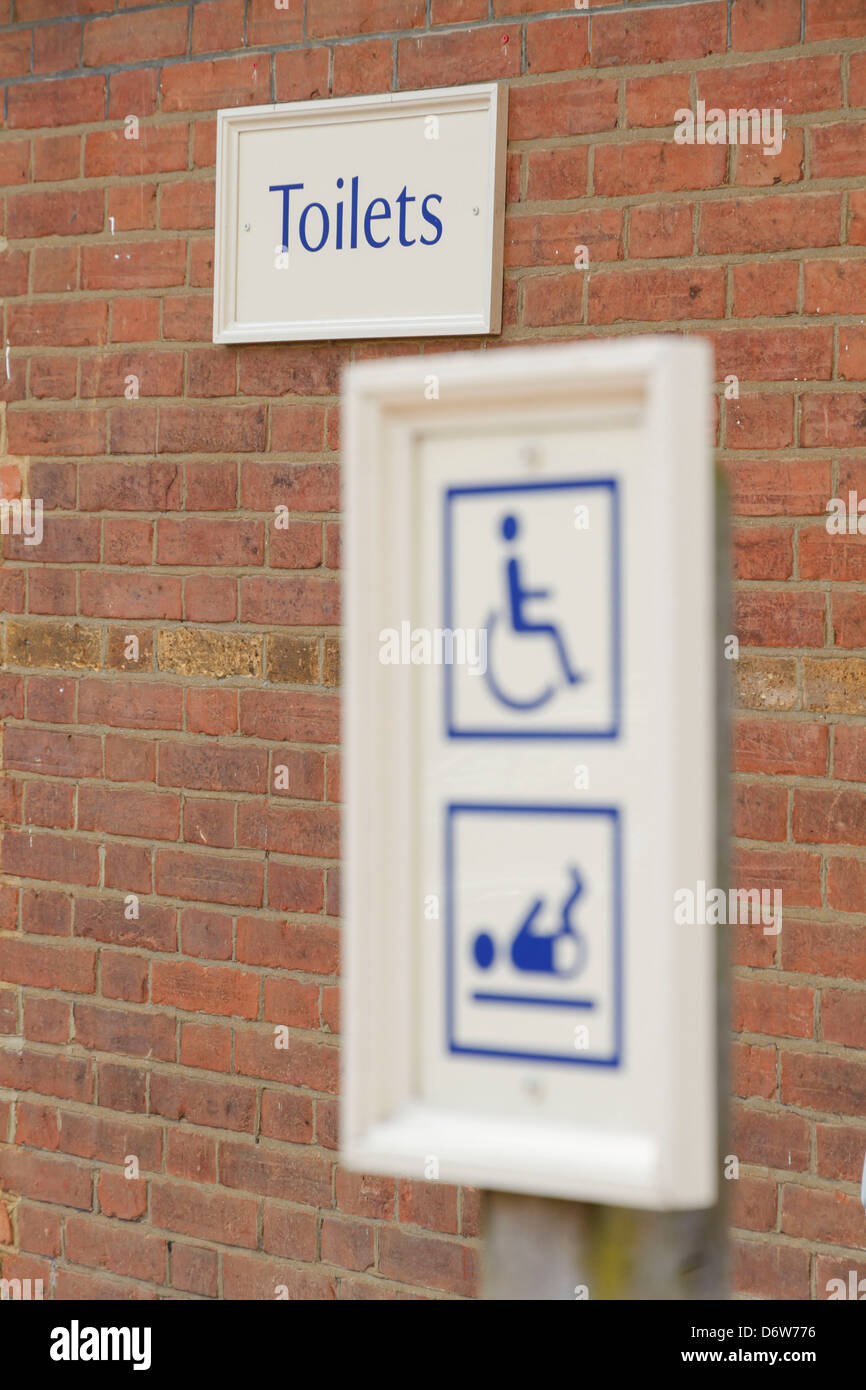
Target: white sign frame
(490, 98)
(385, 1127)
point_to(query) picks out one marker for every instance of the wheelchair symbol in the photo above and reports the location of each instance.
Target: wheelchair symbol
(518, 596)
(561, 953)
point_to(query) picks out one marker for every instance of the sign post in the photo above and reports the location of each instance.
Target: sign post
(538, 1248)
(530, 734)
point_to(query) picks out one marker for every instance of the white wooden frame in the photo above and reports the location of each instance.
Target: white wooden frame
(384, 1127)
(490, 97)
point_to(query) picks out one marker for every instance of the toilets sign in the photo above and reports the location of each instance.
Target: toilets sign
(524, 1011)
(366, 217)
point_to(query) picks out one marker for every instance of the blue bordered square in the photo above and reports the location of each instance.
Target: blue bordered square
(576, 1005)
(454, 496)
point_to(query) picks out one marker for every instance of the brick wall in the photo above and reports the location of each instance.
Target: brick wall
(153, 1038)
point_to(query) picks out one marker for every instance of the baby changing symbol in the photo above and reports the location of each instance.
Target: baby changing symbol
(532, 930)
(561, 952)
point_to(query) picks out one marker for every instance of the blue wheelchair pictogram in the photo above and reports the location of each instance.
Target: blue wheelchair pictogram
(519, 596)
(546, 595)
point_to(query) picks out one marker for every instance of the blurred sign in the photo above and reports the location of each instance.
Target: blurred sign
(529, 738)
(373, 216)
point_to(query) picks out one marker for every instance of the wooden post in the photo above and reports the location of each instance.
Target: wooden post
(539, 1248)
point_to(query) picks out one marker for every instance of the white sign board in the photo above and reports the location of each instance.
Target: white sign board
(529, 734)
(375, 216)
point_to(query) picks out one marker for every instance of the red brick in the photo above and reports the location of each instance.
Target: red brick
(761, 24)
(58, 213)
(302, 1178)
(760, 812)
(557, 109)
(67, 101)
(212, 711)
(206, 933)
(209, 878)
(288, 946)
(843, 1017)
(553, 240)
(760, 287)
(818, 1214)
(652, 101)
(832, 420)
(780, 749)
(194, 1269)
(289, 1233)
(45, 1179)
(835, 287)
(132, 92)
(763, 552)
(208, 822)
(770, 1139)
(203, 429)
(306, 1064)
(795, 85)
(779, 223)
(828, 1083)
(210, 1103)
(557, 45)
(217, 26)
(429, 1263)
(840, 1152)
(761, 1269)
(287, 1116)
(125, 1031)
(795, 873)
(214, 83)
(653, 296)
(216, 1216)
(429, 1204)
(336, 18)
(118, 811)
(205, 989)
(122, 1197)
(147, 706)
(359, 67)
(753, 1204)
(656, 166)
(779, 488)
(52, 857)
(302, 73)
(42, 966)
(291, 1003)
(660, 229)
(133, 265)
(777, 619)
(213, 543)
(834, 19)
(248, 1278)
(759, 422)
(767, 1006)
(39, 1230)
(123, 39)
(206, 1047)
